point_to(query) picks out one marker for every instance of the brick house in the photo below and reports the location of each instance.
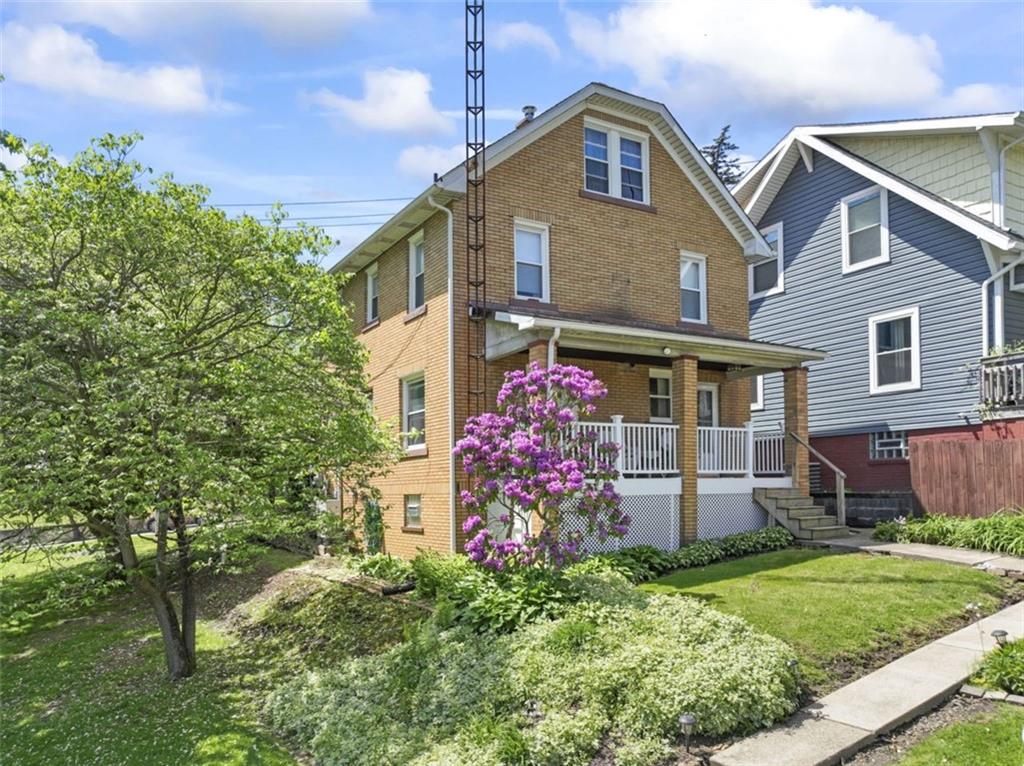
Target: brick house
(610, 245)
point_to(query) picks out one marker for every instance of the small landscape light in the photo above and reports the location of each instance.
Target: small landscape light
(1000, 636)
(686, 723)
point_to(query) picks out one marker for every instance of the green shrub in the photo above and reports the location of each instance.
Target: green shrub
(437, 574)
(384, 566)
(1002, 532)
(554, 692)
(1003, 668)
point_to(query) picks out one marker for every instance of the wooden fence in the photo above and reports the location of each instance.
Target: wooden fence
(967, 478)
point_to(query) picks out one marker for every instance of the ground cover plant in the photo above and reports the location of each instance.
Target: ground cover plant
(990, 739)
(843, 613)
(1002, 532)
(1003, 668)
(612, 674)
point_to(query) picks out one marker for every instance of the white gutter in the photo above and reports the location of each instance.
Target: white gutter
(1002, 179)
(451, 363)
(984, 302)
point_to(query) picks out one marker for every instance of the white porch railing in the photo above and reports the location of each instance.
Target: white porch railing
(649, 449)
(1002, 381)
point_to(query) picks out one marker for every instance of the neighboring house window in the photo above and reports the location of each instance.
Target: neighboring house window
(888, 445)
(413, 512)
(757, 393)
(865, 225)
(660, 386)
(372, 294)
(1017, 278)
(616, 161)
(416, 251)
(693, 287)
(414, 412)
(531, 256)
(895, 343)
(766, 278)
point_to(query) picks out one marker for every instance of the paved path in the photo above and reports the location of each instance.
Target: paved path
(836, 726)
(861, 540)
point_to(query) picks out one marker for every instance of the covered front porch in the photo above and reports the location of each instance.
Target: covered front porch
(678, 405)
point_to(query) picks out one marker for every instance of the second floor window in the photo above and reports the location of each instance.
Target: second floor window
(414, 413)
(531, 256)
(615, 161)
(865, 228)
(372, 294)
(766, 277)
(693, 288)
(895, 348)
(416, 271)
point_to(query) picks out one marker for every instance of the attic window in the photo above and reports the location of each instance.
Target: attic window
(616, 161)
(865, 224)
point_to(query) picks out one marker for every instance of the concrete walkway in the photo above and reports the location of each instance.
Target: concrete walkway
(861, 540)
(837, 726)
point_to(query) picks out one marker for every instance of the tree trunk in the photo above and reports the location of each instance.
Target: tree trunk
(188, 595)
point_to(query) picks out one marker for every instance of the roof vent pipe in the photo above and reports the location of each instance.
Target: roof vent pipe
(529, 111)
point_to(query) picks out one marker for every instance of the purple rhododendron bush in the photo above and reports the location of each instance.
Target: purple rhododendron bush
(536, 460)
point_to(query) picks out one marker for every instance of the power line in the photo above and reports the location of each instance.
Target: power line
(334, 225)
(312, 202)
(332, 217)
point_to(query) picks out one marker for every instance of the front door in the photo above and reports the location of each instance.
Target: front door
(707, 405)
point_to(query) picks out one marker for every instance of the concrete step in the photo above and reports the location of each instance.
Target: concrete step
(793, 501)
(816, 522)
(804, 510)
(777, 492)
(821, 533)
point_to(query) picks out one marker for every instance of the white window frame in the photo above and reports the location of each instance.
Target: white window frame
(883, 219)
(615, 133)
(663, 374)
(544, 229)
(914, 383)
(715, 412)
(420, 448)
(780, 280)
(414, 242)
(757, 404)
(685, 256)
(372, 280)
(903, 448)
(416, 500)
(1016, 285)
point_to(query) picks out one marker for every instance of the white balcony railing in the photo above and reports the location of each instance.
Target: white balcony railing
(649, 449)
(1002, 381)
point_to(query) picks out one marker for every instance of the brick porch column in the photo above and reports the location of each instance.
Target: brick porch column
(794, 383)
(684, 415)
(538, 351)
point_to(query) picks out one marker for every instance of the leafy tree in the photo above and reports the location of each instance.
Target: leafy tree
(719, 154)
(535, 459)
(160, 360)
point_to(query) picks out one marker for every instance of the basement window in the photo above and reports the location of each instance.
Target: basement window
(888, 445)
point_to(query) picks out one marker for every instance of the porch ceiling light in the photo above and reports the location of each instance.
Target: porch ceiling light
(1000, 636)
(667, 351)
(686, 723)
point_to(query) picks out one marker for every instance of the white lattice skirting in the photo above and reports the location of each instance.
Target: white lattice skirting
(727, 514)
(654, 521)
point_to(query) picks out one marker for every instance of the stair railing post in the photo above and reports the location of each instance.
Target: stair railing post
(840, 500)
(617, 437)
(748, 438)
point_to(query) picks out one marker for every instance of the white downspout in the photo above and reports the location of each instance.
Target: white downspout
(451, 364)
(984, 301)
(552, 345)
(1002, 179)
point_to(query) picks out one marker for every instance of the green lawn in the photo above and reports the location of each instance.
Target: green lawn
(987, 740)
(837, 609)
(89, 686)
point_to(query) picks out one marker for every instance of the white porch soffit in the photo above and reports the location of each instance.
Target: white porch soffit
(758, 188)
(642, 341)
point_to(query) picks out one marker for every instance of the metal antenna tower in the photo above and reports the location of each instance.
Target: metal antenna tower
(476, 207)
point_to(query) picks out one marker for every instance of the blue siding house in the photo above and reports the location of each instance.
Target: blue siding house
(899, 252)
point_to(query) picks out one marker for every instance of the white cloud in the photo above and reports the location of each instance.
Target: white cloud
(978, 98)
(51, 58)
(524, 34)
(394, 100)
(292, 22)
(421, 162)
(12, 160)
(791, 53)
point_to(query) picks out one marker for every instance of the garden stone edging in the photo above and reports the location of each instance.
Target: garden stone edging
(991, 694)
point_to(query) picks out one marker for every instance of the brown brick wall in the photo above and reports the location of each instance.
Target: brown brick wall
(794, 382)
(684, 412)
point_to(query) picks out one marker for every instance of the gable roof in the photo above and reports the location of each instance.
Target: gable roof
(758, 187)
(597, 97)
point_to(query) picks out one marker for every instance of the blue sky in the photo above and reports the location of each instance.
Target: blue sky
(319, 101)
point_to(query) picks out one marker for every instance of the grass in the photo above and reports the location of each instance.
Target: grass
(992, 739)
(841, 612)
(88, 685)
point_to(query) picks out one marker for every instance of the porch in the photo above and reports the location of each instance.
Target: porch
(1001, 385)
(678, 406)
